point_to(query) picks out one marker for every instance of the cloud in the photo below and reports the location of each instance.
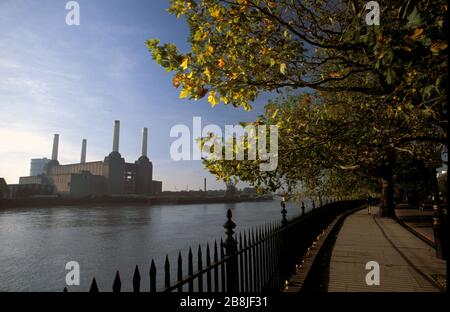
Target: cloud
(23, 142)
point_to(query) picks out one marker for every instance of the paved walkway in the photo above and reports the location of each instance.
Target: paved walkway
(407, 264)
(419, 221)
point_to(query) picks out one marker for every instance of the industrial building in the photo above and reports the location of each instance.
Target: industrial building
(111, 176)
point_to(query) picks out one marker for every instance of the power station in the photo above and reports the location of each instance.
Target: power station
(112, 176)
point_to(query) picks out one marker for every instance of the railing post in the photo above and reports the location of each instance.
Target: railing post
(284, 244)
(303, 208)
(230, 245)
(313, 205)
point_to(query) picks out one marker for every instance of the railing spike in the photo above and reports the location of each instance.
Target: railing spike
(207, 253)
(180, 270)
(152, 276)
(65, 289)
(208, 265)
(216, 268)
(117, 285)
(94, 287)
(167, 272)
(136, 280)
(190, 270)
(200, 267)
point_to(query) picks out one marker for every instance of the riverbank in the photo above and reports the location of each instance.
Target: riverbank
(120, 200)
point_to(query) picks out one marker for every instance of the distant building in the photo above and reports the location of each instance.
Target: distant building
(38, 166)
(4, 189)
(249, 190)
(29, 190)
(112, 176)
(38, 179)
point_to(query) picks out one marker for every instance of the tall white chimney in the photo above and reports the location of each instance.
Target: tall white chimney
(116, 136)
(144, 141)
(55, 147)
(83, 151)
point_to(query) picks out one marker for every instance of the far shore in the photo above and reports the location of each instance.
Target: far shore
(42, 202)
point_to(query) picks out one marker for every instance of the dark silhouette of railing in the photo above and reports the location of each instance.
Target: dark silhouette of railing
(257, 260)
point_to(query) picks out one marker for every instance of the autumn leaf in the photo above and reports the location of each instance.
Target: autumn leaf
(210, 49)
(417, 34)
(283, 68)
(335, 75)
(176, 81)
(406, 48)
(215, 12)
(207, 73)
(185, 63)
(275, 113)
(212, 98)
(184, 93)
(438, 46)
(221, 63)
(224, 99)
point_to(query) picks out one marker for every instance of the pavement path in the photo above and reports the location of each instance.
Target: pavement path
(417, 220)
(407, 264)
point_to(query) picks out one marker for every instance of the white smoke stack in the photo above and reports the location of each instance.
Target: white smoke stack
(116, 136)
(83, 151)
(55, 147)
(144, 141)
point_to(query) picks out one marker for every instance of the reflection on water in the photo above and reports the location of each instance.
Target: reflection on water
(37, 243)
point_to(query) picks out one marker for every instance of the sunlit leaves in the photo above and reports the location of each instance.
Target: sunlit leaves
(392, 77)
(283, 68)
(212, 98)
(184, 93)
(185, 63)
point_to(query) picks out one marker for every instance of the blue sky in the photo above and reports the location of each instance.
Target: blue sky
(76, 80)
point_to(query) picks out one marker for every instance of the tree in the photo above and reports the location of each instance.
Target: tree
(328, 146)
(372, 92)
(240, 48)
(442, 184)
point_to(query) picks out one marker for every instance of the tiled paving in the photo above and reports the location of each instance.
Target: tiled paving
(361, 239)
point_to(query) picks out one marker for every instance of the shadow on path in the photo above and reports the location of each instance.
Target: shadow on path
(319, 277)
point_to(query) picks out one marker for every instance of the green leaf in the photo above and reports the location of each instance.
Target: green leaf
(414, 19)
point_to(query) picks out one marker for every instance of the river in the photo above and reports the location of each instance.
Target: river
(36, 243)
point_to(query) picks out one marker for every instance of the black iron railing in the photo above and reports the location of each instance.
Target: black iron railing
(257, 260)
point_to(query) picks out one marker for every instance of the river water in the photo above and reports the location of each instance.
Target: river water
(36, 243)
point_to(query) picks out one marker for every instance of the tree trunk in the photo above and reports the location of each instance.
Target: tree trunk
(387, 207)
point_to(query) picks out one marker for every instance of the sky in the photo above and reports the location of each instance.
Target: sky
(76, 80)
